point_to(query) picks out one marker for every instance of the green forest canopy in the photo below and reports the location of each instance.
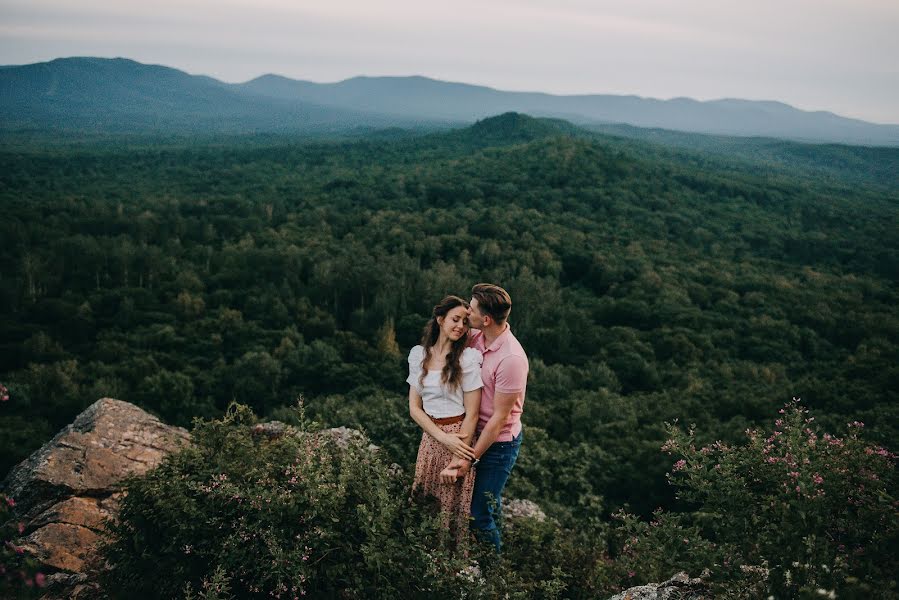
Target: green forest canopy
(650, 283)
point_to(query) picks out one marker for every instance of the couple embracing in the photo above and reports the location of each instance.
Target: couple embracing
(467, 383)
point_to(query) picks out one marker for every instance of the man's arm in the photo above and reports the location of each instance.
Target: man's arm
(511, 379)
(503, 403)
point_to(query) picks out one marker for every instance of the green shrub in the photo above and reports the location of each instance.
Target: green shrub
(243, 514)
(655, 550)
(19, 577)
(542, 560)
(796, 513)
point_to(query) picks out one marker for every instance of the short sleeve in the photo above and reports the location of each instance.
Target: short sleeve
(471, 370)
(512, 374)
(415, 357)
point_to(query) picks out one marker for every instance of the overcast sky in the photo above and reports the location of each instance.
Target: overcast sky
(836, 55)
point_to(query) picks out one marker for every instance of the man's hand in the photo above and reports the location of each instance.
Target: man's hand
(448, 475)
(453, 471)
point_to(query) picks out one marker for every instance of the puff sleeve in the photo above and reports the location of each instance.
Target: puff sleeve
(471, 370)
(415, 355)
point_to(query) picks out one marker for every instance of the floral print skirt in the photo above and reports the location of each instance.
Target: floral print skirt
(454, 499)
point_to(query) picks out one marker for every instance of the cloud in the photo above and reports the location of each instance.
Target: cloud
(822, 54)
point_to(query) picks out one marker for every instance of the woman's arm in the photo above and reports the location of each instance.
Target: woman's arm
(452, 442)
(472, 402)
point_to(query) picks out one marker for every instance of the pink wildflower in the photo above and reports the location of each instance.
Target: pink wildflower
(680, 465)
(40, 579)
(818, 479)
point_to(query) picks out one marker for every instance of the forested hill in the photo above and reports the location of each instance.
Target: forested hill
(646, 289)
(836, 164)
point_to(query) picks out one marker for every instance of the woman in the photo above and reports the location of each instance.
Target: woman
(444, 399)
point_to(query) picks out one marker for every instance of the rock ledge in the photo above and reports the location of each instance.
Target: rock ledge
(679, 587)
(67, 488)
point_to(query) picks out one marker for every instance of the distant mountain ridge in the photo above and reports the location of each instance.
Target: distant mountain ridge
(464, 102)
(123, 95)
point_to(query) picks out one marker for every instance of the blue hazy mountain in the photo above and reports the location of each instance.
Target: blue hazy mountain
(120, 95)
(432, 99)
(112, 95)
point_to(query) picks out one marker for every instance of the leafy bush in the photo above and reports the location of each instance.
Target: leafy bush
(543, 560)
(19, 577)
(795, 513)
(655, 550)
(251, 515)
(247, 513)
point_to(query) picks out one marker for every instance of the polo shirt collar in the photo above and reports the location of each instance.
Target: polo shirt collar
(500, 339)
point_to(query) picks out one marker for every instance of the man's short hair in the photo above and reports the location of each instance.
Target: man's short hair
(493, 301)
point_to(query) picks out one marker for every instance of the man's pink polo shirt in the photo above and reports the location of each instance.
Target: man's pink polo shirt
(505, 370)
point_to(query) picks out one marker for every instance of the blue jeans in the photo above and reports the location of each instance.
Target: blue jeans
(491, 475)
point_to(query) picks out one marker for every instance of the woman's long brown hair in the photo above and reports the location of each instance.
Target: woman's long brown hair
(452, 369)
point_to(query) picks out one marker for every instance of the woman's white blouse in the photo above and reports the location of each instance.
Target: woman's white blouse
(437, 399)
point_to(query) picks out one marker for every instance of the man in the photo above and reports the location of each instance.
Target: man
(504, 373)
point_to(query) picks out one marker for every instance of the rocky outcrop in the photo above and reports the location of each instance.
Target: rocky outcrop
(679, 587)
(66, 489)
(521, 509)
(344, 436)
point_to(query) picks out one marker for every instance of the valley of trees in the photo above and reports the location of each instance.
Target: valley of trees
(649, 285)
